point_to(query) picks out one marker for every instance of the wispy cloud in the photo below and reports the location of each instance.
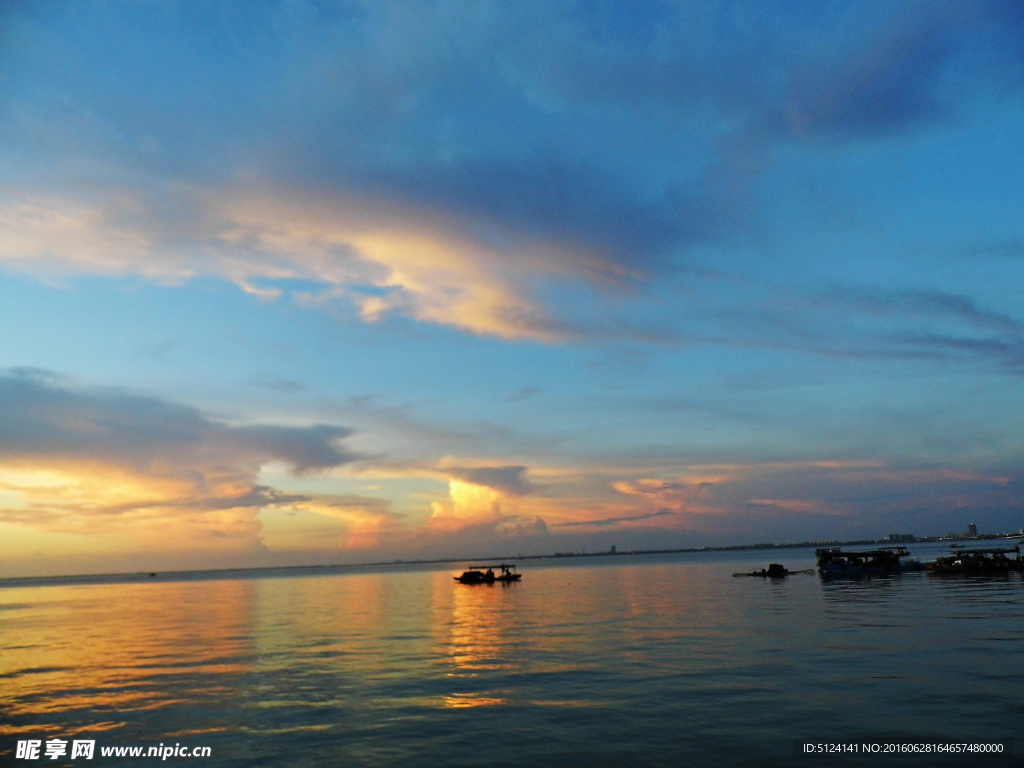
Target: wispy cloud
(1010, 248)
(928, 304)
(615, 520)
(278, 384)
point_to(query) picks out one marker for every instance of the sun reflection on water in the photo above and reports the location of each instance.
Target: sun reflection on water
(406, 665)
(117, 651)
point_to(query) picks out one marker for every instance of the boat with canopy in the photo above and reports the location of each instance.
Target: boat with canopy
(485, 574)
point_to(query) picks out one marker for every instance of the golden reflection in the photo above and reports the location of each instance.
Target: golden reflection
(468, 700)
(119, 647)
(397, 640)
(478, 631)
(549, 622)
(358, 627)
(558, 622)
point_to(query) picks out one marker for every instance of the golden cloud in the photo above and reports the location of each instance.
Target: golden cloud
(333, 522)
(102, 462)
(379, 258)
(480, 506)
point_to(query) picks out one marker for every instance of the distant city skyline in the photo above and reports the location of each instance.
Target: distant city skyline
(303, 282)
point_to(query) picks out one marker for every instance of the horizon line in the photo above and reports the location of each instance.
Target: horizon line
(14, 581)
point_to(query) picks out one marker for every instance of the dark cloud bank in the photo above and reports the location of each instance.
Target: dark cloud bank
(43, 418)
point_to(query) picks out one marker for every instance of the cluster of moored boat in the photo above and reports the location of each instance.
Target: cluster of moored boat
(833, 561)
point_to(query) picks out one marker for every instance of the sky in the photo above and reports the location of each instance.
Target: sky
(288, 282)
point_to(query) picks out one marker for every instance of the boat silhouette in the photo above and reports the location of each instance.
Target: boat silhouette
(993, 560)
(833, 561)
(774, 571)
(484, 574)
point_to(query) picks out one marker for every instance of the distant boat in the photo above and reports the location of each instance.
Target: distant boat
(834, 562)
(484, 574)
(774, 571)
(993, 560)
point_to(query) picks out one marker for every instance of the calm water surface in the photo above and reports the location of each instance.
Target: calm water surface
(619, 661)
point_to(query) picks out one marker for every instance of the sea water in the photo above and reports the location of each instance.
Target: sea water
(614, 661)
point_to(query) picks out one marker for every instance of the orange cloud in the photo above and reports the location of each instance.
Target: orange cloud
(104, 463)
(154, 511)
(331, 522)
(678, 495)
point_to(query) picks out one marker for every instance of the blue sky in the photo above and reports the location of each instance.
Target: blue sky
(432, 279)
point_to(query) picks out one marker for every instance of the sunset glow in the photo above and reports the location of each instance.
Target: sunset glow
(281, 286)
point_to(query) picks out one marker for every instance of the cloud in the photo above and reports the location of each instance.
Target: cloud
(615, 520)
(46, 420)
(743, 499)
(98, 461)
(1009, 354)
(363, 523)
(887, 84)
(520, 394)
(54, 233)
(509, 480)
(930, 304)
(282, 385)
(867, 496)
(517, 526)
(130, 472)
(1009, 248)
(382, 260)
(927, 323)
(453, 165)
(795, 505)
(485, 500)
(860, 321)
(687, 494)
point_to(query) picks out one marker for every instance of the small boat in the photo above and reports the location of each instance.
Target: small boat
(834, 562)
(484, 574)
(774, 571)
(993, 560)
